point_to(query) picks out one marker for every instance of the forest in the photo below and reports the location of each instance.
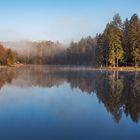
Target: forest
(118, 45)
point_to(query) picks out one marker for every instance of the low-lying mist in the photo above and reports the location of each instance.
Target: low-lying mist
(36, 52)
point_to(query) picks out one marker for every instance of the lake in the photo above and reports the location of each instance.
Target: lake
(52, 103)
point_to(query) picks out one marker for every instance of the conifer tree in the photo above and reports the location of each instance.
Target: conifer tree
(126, 44)
(134, 39)
(116, 53)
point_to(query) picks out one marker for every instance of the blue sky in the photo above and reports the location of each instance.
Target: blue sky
(62, 20)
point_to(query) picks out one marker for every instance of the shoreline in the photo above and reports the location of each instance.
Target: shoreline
(11, 66)
(79, 68)
(90, 68)
(120, 68)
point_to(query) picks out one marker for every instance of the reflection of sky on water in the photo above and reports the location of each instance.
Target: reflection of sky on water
(62, 112)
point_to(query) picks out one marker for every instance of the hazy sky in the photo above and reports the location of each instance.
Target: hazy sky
(62, 20)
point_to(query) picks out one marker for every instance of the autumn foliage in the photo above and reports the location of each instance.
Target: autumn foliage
(7, 56)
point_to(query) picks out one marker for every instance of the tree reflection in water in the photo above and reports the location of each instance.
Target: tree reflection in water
(118, 91)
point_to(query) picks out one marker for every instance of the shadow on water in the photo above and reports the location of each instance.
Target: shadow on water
(118, 91)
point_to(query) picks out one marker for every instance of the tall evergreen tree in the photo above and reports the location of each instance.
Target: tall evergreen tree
(99, 50)
(105, 41)
(116, 53)
(126, 44)
(134, 39)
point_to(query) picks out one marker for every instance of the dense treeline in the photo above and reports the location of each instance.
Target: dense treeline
(82, 52)
(7, 56)
(44, 52)
(118, 45)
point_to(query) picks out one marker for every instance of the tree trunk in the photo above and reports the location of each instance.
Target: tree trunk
(114, 60)
(117, 58)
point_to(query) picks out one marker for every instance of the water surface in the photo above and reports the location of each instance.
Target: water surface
(47, 103)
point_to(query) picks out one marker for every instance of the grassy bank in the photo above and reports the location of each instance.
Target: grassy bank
(120, 68)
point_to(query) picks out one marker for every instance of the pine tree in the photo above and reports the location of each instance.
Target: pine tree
(106, 40)
(126, 44)
(99, 50)
(134, 38)
(116, 53)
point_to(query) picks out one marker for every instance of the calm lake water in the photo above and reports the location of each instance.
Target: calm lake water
(49, 103)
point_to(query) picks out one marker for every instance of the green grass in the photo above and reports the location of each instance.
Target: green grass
(122, 68)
